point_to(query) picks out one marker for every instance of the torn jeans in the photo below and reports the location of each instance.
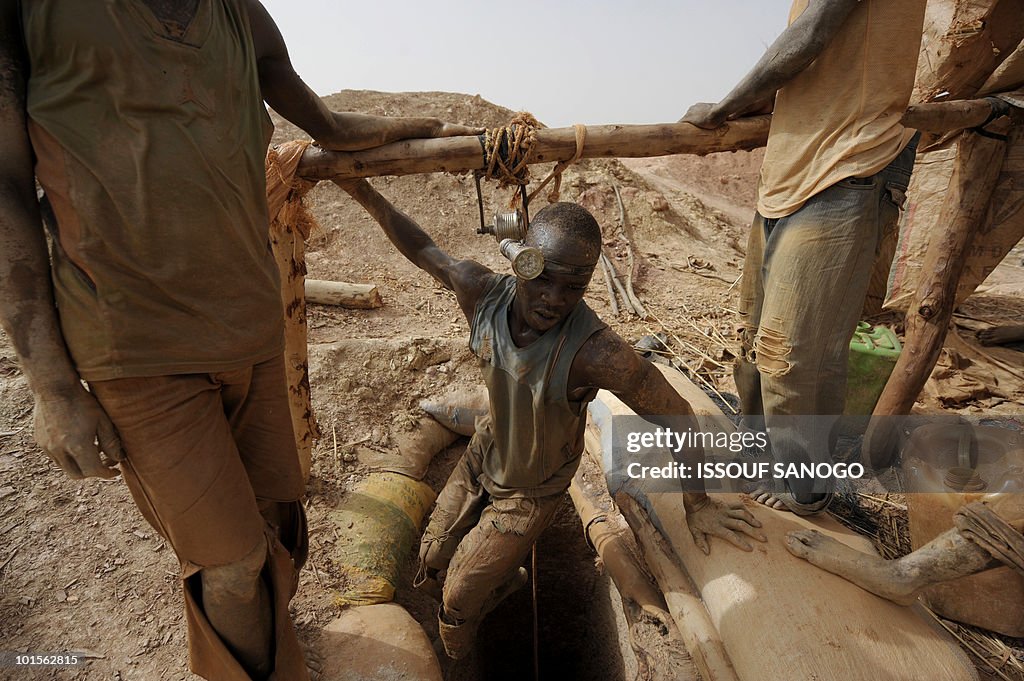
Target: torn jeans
(804, 282)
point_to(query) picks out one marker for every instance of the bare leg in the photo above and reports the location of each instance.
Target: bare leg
(237, 603)
(1002, 335)
(946, 557)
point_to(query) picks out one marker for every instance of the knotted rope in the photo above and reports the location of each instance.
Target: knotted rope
(508, 152)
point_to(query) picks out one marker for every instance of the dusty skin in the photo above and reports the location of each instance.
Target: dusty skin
(106, 588)
(946, 557)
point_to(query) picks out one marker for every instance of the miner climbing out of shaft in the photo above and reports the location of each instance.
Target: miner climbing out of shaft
(544, 355)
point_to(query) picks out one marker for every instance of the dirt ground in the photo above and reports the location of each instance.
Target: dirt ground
(80, 570)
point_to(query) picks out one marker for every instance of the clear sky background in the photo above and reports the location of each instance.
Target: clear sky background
(566, 61)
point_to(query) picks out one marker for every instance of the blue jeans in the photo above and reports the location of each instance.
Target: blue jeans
(804, 282)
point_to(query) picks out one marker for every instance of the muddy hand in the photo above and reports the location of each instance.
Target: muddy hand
(456, 130)
(704, 115)
(74, 431)
(709, 518)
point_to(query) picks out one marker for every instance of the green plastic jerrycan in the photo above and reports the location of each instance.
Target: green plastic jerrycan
(873, 354)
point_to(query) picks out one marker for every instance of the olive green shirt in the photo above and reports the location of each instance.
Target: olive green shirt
(151, 150)
(532, 437)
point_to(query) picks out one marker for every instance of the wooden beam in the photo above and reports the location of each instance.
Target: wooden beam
(464, 154)
(699, 635)
(607, 532)
(978, 164)
(949, 116)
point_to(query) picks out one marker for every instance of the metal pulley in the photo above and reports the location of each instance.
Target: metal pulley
(509, 230)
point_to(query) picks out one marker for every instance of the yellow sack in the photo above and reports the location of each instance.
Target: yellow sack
(377, 523)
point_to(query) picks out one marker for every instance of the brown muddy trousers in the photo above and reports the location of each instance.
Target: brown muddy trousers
(507, 486)
(150, 145)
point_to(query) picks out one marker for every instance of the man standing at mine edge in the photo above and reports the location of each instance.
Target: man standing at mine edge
(832, 183)
(144, 122)
(544, 355)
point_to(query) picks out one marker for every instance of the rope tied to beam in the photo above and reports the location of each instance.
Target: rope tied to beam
(508, 152)
(556, 172)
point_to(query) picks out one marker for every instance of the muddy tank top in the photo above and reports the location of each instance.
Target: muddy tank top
(532, 438)
(150, 147)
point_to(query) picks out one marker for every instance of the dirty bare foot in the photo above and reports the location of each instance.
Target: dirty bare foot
(877, 575)
(762, 494)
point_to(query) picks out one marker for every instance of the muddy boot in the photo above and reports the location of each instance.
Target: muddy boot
(457, 638)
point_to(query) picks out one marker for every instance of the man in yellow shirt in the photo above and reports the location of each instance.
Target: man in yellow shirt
(838, 162)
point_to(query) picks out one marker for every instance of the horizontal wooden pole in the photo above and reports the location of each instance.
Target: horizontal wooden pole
(947, 116)
(463, 154)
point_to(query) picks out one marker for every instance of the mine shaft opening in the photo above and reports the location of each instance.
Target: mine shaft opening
(579, 622)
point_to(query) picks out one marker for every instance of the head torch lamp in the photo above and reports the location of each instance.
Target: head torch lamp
(509, 230)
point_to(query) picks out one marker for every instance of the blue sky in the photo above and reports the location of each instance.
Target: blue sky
(566, 61)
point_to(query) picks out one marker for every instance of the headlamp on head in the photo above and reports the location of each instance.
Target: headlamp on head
(509, 229)
(527, 261)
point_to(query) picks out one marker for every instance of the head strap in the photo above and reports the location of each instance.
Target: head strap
(566, 268)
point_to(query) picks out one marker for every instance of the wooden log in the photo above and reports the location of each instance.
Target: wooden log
(609, 535)
(691, 617)
(290, 224)
(948, 116)
(355, 296)
(978, 163)
(464, 154)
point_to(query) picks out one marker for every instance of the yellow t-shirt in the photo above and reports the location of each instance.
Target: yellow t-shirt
(840, 117)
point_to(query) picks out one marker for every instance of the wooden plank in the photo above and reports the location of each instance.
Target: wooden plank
(978, 164)
(781, 618)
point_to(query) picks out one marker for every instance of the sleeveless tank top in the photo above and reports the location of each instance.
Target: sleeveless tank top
(532, 437)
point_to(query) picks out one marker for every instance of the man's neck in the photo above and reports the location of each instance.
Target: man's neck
(522, 333)
(175, 15)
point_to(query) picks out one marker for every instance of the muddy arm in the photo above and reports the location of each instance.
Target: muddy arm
(792, 52)
(608, 362)
(466, 278)
(67, 418)
(284, 90)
